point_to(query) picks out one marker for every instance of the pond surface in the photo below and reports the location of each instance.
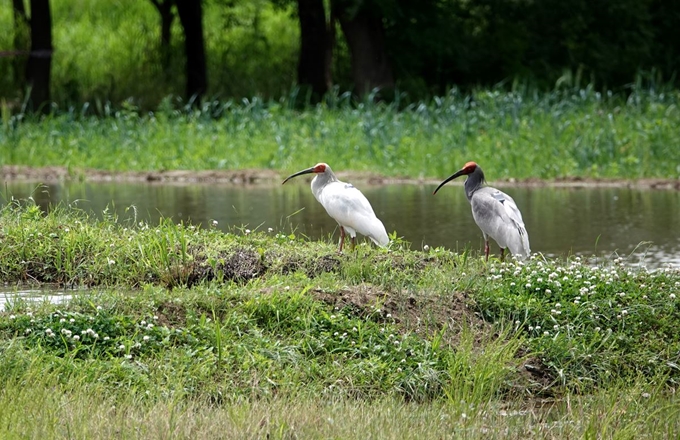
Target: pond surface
(11, 295)
(560, 221)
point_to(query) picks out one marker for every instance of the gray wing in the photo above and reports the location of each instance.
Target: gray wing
(497, 215)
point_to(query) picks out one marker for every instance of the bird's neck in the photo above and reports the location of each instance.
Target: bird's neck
(320, 181)
(472, 184)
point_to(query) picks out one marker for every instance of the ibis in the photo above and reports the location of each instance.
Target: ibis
(346, 205)
(495, 213)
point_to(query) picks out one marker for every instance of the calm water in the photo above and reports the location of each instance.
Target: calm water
(593, 221)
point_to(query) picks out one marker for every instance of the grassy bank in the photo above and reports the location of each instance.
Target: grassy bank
(189, 331)
(520, 135)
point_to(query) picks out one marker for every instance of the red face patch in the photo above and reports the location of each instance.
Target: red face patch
(320, 168)
(470, 167)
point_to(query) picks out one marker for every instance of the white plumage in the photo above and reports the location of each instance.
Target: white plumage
(346, 205)
(495, 213)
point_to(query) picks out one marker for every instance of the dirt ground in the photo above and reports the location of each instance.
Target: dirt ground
(265, 176)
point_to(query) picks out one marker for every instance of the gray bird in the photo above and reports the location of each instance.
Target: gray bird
(346, 205)
(495, 213)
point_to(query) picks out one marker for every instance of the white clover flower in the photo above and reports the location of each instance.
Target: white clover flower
(111, 262)
(624, 312)
(556, 327)
(71, 320)
(128, 356)
(146, 338)
(672, 296)
(76, 337)
(12, 316)
(546, 333)
(121, 347)
(248, 231)
(426, 248)
(512, 284)
(548, 291)
(214, 223)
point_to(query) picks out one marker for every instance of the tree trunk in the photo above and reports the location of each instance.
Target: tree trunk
(164, 8)
(191, 16)
(40, 58)
(313, 66)
(365, 37)
(21, 43)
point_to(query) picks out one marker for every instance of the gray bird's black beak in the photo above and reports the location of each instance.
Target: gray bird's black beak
(299, 173)
(458, 174)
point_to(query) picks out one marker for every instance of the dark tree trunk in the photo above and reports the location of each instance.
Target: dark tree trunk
(40, 58)
(365, 35)
(191, 16)
(21, 42)
(314, 64)
(164, 8)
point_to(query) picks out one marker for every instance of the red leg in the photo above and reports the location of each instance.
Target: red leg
(342, 237)
(486, 249)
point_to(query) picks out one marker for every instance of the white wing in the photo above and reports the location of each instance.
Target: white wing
(350, 208)
(497, 215)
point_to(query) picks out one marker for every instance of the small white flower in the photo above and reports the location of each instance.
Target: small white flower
(672, 296)
(270, 229)
(214, 222)
(548, 291)
(146, 338)
(247, 231)
(76, 337)
(128, 356)
(111, 262)
(426, 248)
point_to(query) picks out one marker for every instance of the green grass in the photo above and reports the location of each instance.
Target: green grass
(189, 331)
(511, 134)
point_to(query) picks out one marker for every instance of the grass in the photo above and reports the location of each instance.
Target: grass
(188, 331)
(566, 133)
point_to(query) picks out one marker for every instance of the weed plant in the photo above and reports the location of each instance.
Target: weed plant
(566, 133)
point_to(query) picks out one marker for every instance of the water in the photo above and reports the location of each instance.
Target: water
(560, 221)
(51, 295)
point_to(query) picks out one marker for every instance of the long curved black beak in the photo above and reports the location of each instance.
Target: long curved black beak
(458, 174)
(299, 173)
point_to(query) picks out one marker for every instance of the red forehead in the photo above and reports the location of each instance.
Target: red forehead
(470, 166)
(319, 167)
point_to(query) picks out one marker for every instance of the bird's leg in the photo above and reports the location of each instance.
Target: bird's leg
(354, 242)
(502, 254)
(342, 237)
(486, 249)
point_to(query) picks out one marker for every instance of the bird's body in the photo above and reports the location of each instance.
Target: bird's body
(495, 213)
(346, 205)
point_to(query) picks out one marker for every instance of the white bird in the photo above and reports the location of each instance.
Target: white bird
(495, 213)
(346, 205)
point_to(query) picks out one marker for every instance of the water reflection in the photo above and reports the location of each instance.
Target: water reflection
(560, 221)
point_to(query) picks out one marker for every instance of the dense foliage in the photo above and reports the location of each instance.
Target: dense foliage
(109, 51)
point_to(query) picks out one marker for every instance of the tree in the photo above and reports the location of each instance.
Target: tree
(362, 24)
(39, 63)
(191, 16)
(164, 8)
(314, 64)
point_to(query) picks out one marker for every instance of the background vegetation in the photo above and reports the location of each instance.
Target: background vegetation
(110, 51)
